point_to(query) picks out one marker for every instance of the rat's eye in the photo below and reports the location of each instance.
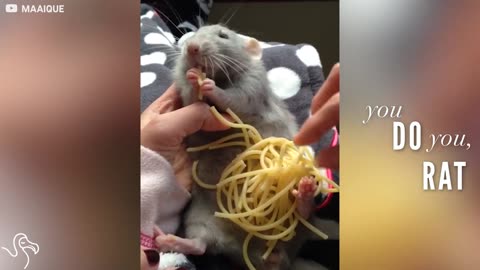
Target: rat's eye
(223, 35)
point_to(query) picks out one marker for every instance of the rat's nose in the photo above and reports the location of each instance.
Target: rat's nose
(193, 49)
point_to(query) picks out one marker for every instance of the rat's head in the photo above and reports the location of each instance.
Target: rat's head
(219, 51)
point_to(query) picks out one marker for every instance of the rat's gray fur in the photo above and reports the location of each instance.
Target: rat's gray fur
(247, 92)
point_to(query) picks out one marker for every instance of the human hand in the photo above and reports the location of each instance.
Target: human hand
(164, 128)
(325, 115)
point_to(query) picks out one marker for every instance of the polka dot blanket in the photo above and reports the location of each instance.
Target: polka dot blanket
(294, 71)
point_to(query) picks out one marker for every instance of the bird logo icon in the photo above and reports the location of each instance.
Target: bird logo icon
(20, 244)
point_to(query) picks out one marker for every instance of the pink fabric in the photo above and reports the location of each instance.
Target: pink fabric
(162, 199)
(329, 172)
(147, 242)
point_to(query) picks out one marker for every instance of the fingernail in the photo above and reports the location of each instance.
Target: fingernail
(295, 140)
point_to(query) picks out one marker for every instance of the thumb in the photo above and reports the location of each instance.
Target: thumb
(190, 119)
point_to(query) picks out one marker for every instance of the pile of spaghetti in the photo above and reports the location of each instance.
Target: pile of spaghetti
(254, 190)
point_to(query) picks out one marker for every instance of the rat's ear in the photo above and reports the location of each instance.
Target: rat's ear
(253, 48)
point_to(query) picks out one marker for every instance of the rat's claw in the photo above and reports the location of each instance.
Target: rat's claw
(192, 76)
(306, 188)
(194, 71)
(305, 195)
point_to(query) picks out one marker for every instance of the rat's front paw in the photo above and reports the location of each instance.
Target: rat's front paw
(207, 86)
(174, 243)
(305, 195)
(275, 260)
(306, 188)
(193, 76)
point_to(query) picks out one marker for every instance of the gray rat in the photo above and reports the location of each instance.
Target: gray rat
(236, 79)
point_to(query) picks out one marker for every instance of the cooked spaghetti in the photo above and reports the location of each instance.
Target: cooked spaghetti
(254, 190)
(200, 80)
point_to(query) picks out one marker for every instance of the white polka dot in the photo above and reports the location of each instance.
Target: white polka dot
(309, 56)
(171, 260)
(157, 38)
(284, 82)
(265, 45)
(168, 35)
(188, 25)
(147, 78)
(149, 15)
(153, 58)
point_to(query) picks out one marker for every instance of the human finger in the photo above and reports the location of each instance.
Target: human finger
(328, 89)
(324, 119)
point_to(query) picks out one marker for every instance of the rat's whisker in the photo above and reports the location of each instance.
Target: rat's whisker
(229, 64)
(213, 67)
(205, 64)
(170, 59)
(175, 25)
(225, 59)
(231, 16)
(158, 30)
(208, 68)
(173, 57)
(173, 54)
(146, 26)
(217, 63)
(222, 68)
(224, 16)
(233, 60)
(175, 12)
(233, 66)
(169, 54)
(164, 49)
